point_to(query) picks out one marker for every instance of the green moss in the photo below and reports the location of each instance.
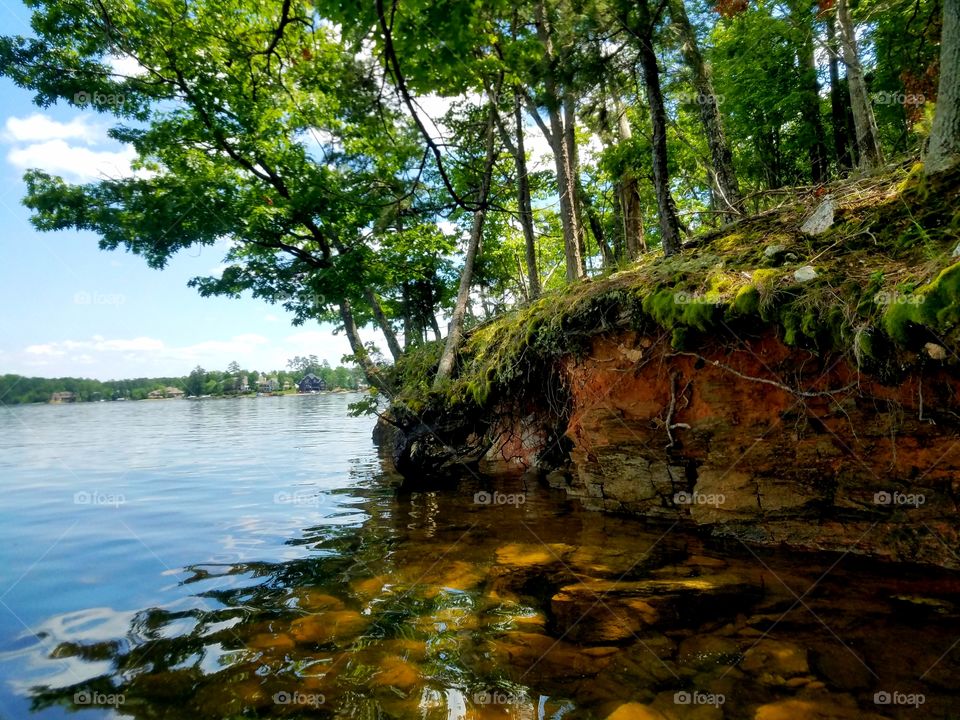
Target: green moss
(873, 296)
(935, 306)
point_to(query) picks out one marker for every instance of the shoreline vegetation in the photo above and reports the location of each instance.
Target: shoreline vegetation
(200, 383)
(879, 285)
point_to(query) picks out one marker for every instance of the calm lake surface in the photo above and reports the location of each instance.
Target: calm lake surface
(252, 559)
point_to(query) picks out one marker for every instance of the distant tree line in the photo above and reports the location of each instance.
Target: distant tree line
(20, 390)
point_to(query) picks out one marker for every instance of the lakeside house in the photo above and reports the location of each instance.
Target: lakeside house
(164, 393)
(311, 383)
(267, 385)
(63, 397)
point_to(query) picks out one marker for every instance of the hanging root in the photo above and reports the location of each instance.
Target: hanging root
(670, 424)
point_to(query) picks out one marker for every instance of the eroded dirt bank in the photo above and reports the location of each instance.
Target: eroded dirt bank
(746, 438)
(757, 440)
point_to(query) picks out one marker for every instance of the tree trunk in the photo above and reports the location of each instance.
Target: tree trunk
(866, 125)
(524, 198)
(410, 332)
(525, 202)
(839, 100)
(572, 154)
(723, 175)
(819, 168)
(447, 359)
(435, 326)
(558, 138)
(360, 354)
(628, 197)
(669, 227)
(944, 150)
(596, 228)
(384, 324)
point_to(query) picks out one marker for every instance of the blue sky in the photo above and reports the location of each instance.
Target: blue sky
(69, 308)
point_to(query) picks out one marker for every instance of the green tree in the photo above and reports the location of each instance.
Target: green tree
(196, 382)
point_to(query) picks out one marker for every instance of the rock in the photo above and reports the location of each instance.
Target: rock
(313, 600)
(328, 627)
(370, 587)
(936, 352)
(523, 555)
(839, 707)
(538, 657)
(820, 219)
(774, 252)
(841, 668)
(796, 488)
(671, 704)
(705, 651)
(776, 658)
(922, 603)
(396, 672)
(558, 479)
(414, 650)
(956, 251)
(804, 274)
(601, 611)
(636, 711)
(437, 577)
(270, 641)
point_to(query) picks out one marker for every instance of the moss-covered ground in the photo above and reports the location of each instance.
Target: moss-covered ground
(887, 283)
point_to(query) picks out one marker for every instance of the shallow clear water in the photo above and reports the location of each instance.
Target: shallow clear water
(251, 558)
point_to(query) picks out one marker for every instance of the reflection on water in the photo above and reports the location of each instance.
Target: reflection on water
(431, 605)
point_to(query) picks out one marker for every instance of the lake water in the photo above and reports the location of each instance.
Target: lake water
(252, 559)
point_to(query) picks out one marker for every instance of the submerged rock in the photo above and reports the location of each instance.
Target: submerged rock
(775, 660)
(832, 707)
(636, 711)
(328, 627)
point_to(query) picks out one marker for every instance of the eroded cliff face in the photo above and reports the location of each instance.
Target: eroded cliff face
(755, 440)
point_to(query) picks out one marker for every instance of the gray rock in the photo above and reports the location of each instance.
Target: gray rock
(772, 251)
(821, 219)
(804, 274)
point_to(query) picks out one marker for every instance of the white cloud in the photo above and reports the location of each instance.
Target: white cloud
(45, 350)
(42, 128)
(79, 163)
(125, 66)
(110, 358)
